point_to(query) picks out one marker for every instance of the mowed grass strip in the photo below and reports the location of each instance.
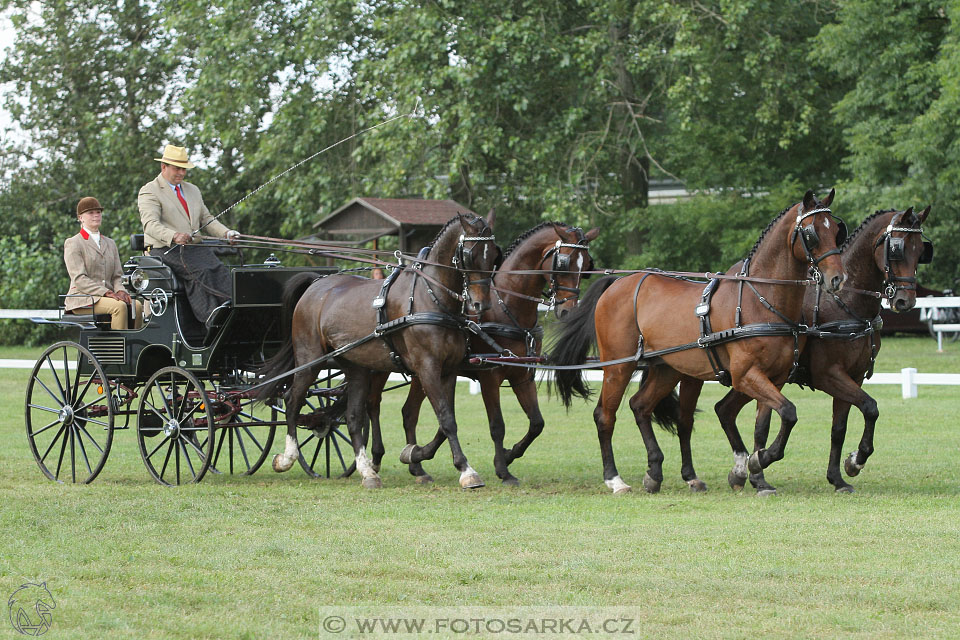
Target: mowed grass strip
(256, 557)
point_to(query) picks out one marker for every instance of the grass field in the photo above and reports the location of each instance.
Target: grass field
(263, 556)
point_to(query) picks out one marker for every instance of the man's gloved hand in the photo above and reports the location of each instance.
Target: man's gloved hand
(232, 236)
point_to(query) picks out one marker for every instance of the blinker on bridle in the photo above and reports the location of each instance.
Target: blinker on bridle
(560, 263)
(463, 261)
(810, 240)
(894, 250)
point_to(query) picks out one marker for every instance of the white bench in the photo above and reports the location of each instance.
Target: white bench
(940, 329)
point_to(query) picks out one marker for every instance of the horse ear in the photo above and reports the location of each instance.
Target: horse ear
(491, 216)
(592, 234)
(923, 214)
(826, 201)
(908, 213)
(809, 201)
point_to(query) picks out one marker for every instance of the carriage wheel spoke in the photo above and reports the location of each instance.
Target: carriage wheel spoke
(64, 398)
(63, 449)
(83, 450)
(66, 377)
(165, 440)
(186, 456)
(34, 434)
(84, 431)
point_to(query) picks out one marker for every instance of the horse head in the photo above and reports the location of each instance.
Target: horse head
(477, 256)
(898, 249)
(569, 258)
(815, 238)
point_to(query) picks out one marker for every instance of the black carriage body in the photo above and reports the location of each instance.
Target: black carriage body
(248, 332)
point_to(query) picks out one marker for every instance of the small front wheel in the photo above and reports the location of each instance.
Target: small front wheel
(175, 427)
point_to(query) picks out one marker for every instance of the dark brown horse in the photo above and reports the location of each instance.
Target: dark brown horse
(627, 317)
(880, 259)
(421, 332)
(545, 261)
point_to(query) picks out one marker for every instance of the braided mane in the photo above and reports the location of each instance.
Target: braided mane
(528, 233)
(850, 238)
(450, 222)
(764, 232)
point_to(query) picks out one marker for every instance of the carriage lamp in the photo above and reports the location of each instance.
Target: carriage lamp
(272, 261)
(138, 280)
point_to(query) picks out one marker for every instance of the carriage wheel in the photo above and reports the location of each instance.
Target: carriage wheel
(322, 434)
(69, 414)
(241, 448)
(175, 427)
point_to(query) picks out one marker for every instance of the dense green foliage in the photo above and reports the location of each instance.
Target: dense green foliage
(564, 109)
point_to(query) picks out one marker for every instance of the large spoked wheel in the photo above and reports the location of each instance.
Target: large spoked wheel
(321, 433)
(175, 427)
(243, 439)
(69, 414)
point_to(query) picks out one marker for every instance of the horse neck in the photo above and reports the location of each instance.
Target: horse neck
(862, 270)
(442, 253)
(774, 259)
(525, 257)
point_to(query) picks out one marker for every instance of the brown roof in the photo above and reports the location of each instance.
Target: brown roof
(401, 211)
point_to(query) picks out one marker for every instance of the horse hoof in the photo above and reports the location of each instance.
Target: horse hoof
(406, 456)
(282, 462)
(470, 479)
(649, 484)
(697, 485)
(766, 493)
(372, 483)
(845, 489)
(424, 479)
(753, 463)
(510, 481)
(735, 481)
(617, 485)
(850, 465)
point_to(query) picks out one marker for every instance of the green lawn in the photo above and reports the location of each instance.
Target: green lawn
(261, 556)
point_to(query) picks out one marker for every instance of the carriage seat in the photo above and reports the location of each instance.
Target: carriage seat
(100, 320)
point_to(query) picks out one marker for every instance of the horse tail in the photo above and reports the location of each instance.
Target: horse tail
(285, 359)
(570, 346)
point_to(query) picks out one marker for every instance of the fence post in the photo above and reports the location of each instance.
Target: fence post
(908, 382)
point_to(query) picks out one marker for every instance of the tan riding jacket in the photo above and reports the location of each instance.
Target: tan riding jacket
(93, 270)
(163, 216)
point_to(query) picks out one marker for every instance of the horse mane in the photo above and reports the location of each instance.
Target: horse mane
(442, 231)
(528, 233)
(764, 232)
(853, 235)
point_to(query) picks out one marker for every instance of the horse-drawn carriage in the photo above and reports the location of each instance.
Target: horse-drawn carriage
(187, 387)
(206, 400)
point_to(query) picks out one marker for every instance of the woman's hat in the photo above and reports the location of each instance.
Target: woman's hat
(177, 156)
(88, 204)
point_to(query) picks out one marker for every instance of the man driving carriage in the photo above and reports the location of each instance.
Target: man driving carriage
(173, 214)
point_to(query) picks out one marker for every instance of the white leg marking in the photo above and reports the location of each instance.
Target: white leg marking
(291, 450)
(617, 485)
(740, 464)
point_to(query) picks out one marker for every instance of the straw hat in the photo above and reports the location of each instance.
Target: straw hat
(88, 204)
(177, 156)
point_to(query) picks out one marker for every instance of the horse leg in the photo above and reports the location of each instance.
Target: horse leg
(838, 433)
(658, 382)
(490, 389)
(689, 394)
(293, 402)
(377, 382)
(358, 388)
(727, 411)
(761, 431)
(526, 391)
(761, 388)
(615, 381)
(412, 455)
(440, 391)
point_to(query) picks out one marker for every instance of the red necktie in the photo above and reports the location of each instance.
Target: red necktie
(183, 202)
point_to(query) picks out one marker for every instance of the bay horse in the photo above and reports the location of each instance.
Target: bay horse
(880, 259)
(544, 262)
(416, 325)
(627, 316)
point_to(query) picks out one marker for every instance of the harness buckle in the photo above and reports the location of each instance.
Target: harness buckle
(378, 302)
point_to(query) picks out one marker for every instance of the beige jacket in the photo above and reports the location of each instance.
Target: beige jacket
(162, 214)
(93, 270)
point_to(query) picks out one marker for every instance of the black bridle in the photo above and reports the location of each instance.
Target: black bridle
(560, 263)
(464, 260)
(810, 240)
(894, 250)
